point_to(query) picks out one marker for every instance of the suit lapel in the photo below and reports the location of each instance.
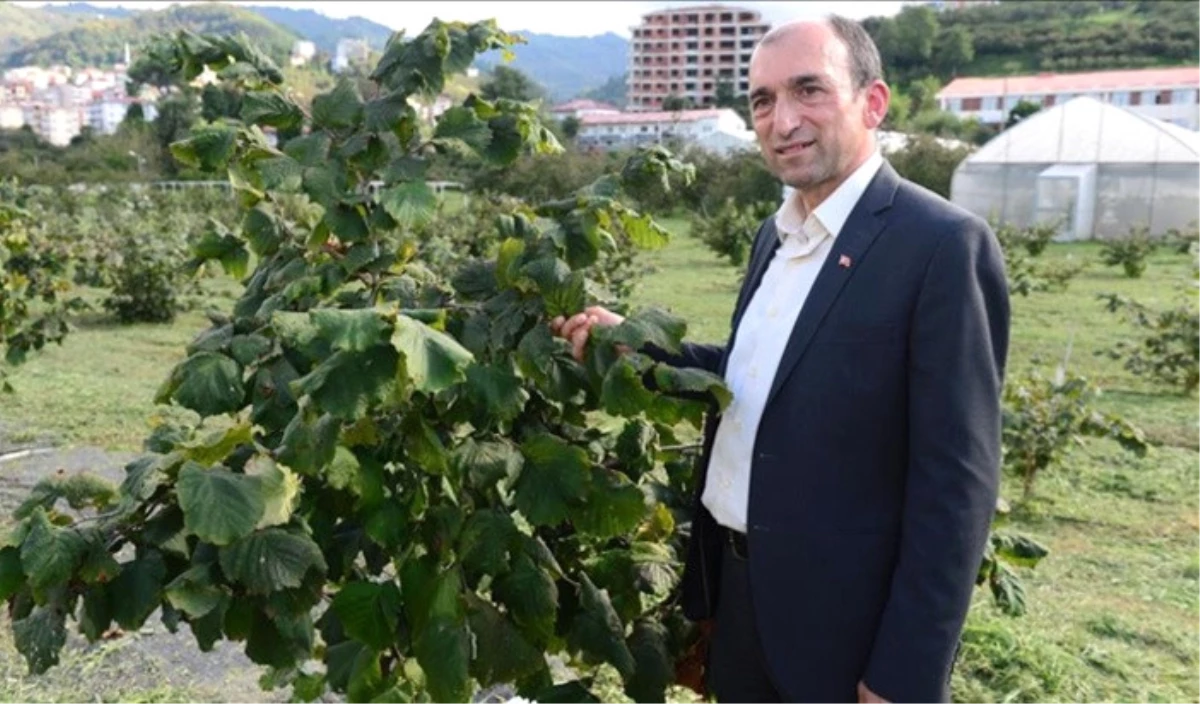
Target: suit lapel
(857, 235)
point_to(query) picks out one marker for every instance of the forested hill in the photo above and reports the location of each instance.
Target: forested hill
(101, 42)
(1017, 37)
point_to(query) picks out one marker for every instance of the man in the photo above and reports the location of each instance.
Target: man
(847, 492)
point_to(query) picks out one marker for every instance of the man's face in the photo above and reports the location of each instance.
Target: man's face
(813, 126)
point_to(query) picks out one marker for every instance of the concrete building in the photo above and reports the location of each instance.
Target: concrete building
(57, 125)
(626, 130)
(580, 107)
(12, 117)
(302, 52)
(350, 52)
(1168, 94)
(689, 52)
(104, 117)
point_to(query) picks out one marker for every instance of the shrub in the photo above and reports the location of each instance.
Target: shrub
(928, 162)
(1043, 418)
(731, 229)
(1169, 350)
(1129, 252)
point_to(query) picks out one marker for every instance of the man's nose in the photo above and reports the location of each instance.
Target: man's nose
(787, 118)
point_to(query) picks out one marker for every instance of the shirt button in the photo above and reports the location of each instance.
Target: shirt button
(772, 312)
(753, 373)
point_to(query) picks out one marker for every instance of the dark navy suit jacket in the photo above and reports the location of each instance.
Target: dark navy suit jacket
(876, 463)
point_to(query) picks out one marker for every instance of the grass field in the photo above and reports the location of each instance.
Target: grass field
(1113, 611)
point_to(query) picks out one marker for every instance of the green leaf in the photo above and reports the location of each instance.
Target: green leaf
(693, 381)
(208, 148)
(219, 506)
(423, 446)
(643, 231)
(547, 360)
(652, 326)
(531, 596)
(433, 359)
(498, 392)
(12, 574)
(622, 392)
(207, 383)
(351, 330)
(226, 249)
(342, 472)
(654, 669)
(50, 554)
(261, 231)
(279, 641)
(502, 653)
(443, 650)
(194, 593)
(98, 565)
(1007, 590)
(353, 668)
(346, 221)
(461, 129)
(388, 526)
(81, 489)
(1019, 550)
(614, 506)
(280, 490)
(485, 542)
(309, 150)
(369, 612)
(40, 637)
(308, 446)
(270, 108)
(138, 590)
(485, 463)
(411, 204)
(385, 113)
(248, 349)
(340, 108)
(553, 480)
(217, 445)
(597, 631)
(271, 559)
(96, 615)
(347, 384)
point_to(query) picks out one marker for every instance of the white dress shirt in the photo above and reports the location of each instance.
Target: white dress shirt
(763, 333)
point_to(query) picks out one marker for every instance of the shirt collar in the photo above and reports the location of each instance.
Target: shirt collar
(834, 211)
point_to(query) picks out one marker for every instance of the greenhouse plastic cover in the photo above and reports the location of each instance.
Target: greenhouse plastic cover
(1085, 130)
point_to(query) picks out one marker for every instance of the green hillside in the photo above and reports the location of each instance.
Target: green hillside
(22, 25)
(102, 42)
(1011, 38)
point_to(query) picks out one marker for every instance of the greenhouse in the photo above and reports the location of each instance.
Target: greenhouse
(1095, 170)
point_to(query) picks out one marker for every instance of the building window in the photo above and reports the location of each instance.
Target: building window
(1120, 97)
(1183, 97)
(1163, 97)
(989, 103)
(1135, 98)
(956, 105)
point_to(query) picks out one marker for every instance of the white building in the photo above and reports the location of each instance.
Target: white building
(580, 107)
(632, 129)
(56, 125)
(350, 52)
(12, 117)
(1093, 169)
(1169, 94)
(302, 52)
(104, 117)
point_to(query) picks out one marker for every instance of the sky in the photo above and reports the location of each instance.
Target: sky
(576, 19)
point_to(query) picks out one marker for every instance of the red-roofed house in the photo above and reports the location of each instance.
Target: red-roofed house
(1168, 94)
(580, 107)
(631, 129)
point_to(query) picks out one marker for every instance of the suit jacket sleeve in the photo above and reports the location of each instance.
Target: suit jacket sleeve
(691, 354)
(958, 347)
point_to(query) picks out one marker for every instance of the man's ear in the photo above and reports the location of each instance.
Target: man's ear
(879, 97)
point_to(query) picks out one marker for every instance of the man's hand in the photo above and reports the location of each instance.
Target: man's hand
(866, 696)
(576, 328)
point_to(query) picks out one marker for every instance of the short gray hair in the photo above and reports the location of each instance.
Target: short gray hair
(865, 65)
